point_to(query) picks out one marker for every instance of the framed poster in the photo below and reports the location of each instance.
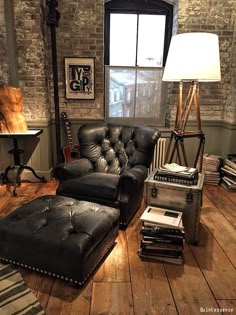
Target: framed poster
(80, 78)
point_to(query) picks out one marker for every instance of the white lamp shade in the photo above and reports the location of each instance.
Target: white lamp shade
(193, 56)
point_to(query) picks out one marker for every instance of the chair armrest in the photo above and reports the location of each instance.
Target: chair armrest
(138, 173)
(73, 169)
(130, 181)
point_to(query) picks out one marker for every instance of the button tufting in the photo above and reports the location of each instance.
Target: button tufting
(88, 221)
(72, 231)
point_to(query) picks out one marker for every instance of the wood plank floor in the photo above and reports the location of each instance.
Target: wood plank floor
(124, 284)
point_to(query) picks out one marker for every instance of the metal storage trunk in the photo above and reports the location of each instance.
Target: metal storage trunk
(178, 197)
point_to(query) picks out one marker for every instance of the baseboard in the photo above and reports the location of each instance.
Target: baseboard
(28, 175)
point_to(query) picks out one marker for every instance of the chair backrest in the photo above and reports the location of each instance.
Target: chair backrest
(114, 148)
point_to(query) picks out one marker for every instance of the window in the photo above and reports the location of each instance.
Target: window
(137, 36)
(133, 32)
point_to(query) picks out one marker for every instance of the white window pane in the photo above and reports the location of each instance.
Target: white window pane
(123, 30)
(151, 35)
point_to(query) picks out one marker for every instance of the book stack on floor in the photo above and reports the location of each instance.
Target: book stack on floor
(163, 235)
(211, 169)
(228, 175)
(177, 174)
(232, 157)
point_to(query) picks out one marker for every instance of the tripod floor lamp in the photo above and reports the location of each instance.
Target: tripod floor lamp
(192, 58)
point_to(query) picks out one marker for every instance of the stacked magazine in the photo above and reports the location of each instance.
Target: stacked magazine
(211, 168)
(228, 175)
(177, 174)
(163, 235)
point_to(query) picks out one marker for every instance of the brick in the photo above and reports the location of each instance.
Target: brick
(218, 17)
(80, 33)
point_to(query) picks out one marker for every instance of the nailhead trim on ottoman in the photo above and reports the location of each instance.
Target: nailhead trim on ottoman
(59, 236)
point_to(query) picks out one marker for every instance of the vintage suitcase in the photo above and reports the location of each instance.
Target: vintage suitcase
(180, 197)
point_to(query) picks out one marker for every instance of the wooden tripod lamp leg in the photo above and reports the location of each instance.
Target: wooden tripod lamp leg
(183, 152)
(175, 149)
(197, 107)
(168, 148)
(200, 152)
(185, 109)
(179, 111)
(188, 106)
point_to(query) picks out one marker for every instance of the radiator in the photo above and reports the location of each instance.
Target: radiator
(159, 154)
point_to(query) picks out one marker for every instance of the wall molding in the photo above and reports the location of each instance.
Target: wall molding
(221, 124)
(27, 175)
(220, 140)
(39, 123)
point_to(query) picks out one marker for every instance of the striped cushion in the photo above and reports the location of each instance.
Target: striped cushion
(15, 296)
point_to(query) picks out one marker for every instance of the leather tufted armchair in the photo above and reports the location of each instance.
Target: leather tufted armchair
(113, 165)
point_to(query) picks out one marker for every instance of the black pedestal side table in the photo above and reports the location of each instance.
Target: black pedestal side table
(17, 166)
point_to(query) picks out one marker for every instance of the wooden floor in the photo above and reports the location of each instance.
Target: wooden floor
(126, 285)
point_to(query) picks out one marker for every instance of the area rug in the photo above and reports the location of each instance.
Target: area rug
(15, 297)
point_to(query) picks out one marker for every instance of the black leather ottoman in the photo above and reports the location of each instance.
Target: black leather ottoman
(59, 236)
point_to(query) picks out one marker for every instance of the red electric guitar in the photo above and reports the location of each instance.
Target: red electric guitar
(70, 152)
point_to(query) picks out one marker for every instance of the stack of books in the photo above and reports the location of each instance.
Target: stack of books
(228, 175)
(232, 157)
(211, 168)
(163, 235)
(177, 174)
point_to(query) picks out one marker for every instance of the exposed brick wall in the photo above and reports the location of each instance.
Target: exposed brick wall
(217, 99)
(80, 34)
(172, 89)
(233, 66)
(4, 68)
(32, 58)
